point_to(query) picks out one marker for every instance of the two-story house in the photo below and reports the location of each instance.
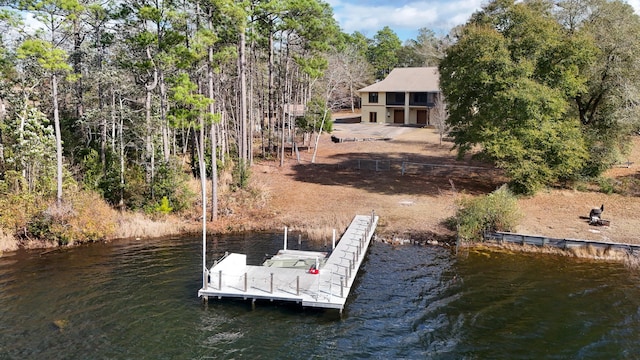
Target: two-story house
(405, 96)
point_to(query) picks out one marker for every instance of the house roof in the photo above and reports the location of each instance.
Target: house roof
(415, 79)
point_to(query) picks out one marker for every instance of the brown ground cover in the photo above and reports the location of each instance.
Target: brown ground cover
(325, 195)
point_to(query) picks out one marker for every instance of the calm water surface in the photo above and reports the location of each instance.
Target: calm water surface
(137, 300)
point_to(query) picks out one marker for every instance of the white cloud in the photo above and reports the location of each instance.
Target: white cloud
(405, 17)
(409, 15)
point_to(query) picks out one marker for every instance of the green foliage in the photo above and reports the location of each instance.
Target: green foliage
(34, 151)
(163, 207)
(508, 82)
(50, 57)
(383, 53)
(497, 211)
(171, 183)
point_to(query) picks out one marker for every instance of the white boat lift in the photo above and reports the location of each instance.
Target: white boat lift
(231, 277)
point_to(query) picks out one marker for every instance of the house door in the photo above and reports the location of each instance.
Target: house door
(423, 117)
(398, 116)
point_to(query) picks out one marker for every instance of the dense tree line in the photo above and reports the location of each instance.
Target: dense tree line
(549, 90)
(125, 98)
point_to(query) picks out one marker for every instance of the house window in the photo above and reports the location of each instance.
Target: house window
(373, 97)
(373, 117)
(395, 98)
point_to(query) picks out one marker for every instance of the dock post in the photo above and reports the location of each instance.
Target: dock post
(299, 241)
(245, 282)
(341, 286)
(285, 238)
(353, 264)
(333, 244)
(298, 285)
(271, 289)
(220, 280)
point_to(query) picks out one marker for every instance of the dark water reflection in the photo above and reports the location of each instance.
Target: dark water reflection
(137, 300)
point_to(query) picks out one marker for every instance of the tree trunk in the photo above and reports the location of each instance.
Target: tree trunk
(214, 174)
(121, 152)
(243, 141)
(56, 124)
(164, 126)
(214, 138)
(315, 149)
(271, 86)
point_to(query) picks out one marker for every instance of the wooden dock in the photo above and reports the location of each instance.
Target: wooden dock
(231, 277)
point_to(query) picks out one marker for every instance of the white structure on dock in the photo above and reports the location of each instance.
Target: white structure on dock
(329, 288)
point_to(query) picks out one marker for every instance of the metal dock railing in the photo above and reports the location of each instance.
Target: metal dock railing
(231, 277)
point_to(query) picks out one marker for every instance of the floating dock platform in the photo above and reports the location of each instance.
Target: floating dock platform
(329, 288)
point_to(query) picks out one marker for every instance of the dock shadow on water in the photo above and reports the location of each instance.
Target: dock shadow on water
(137, 299)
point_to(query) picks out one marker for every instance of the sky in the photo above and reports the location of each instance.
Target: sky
(405, 17)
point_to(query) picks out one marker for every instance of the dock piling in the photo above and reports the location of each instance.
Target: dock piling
(271, 288)
(298, 285)
(220, 280)
(285, 238)
(245, 282)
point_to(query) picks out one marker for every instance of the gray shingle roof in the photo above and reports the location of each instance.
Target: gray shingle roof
(422, 79)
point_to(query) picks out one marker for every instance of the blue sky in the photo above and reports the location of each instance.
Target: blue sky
(405, 17)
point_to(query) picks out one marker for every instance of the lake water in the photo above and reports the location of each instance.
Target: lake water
(137, 300)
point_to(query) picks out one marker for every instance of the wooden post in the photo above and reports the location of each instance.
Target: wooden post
(220, 280)
(298, 285)
(271, 289)
(341, 286)
(299, 241)
(245, 282)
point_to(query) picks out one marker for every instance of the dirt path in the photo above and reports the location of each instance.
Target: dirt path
(327, 194)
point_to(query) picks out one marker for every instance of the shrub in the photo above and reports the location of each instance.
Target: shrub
(83, 217)
(172, 183)
(163, 207)
(606, 185)
(497, 211)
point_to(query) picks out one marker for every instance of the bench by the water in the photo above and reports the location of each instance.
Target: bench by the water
(231, 277)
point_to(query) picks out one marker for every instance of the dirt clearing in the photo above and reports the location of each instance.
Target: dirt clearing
(356, 177)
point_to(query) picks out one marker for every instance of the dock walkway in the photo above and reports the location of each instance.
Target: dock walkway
(231, 277)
